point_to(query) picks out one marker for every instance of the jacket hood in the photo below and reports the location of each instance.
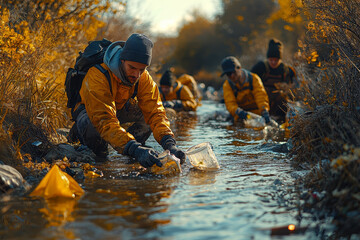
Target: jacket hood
(112, 58)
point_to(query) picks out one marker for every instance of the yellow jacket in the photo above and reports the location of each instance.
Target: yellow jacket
(190, 82)
(185, 95)
(101, 106)
(255, 100)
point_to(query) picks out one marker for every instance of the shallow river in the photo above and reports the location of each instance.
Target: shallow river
(251, 196)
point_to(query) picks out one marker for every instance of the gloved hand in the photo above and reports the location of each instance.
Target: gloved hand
(168, 104)
(169, 143)
(174, 104)
(177, 104)
(266, 116)
(144, 155)
(241, 113)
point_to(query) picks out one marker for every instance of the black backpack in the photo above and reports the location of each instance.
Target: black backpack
(92, 56)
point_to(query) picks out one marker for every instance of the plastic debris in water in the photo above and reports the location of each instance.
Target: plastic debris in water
(202, 157)
(171, 165)
(57, 183)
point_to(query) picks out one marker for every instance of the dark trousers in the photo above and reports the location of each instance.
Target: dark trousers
(89, 136)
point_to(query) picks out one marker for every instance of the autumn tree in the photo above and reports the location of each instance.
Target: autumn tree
(241, 21)
(198, 46)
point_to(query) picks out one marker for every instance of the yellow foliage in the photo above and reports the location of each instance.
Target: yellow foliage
(35, 48)
(288, 28)
(240, 18)
(287, 12)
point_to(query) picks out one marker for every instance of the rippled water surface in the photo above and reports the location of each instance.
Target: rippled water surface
(250, 197)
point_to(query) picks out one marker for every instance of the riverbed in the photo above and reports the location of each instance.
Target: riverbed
(251, 196)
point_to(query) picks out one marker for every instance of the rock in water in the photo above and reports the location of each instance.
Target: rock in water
(10, 179)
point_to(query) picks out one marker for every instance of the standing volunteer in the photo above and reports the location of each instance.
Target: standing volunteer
(104, 109)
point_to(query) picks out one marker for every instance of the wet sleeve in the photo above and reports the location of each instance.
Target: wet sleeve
(260, 95)
(229, 98)
(152, 108)
(100, 106)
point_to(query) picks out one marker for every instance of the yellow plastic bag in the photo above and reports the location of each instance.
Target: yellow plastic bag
(57, 183)
(171, 165)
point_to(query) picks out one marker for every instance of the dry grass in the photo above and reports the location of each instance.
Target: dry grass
(329, 132)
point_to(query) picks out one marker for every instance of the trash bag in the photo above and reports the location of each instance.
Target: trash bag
(171, 165)
(57, 183)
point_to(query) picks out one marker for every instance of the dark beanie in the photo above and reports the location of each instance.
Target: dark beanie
(275, 49)
(168, 78)
(137, 48)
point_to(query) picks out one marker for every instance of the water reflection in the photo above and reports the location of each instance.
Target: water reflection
(199, 177)
(185, 122)
(58, 211)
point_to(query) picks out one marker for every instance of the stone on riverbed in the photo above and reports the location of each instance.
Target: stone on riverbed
(11, 179)
(67, 150)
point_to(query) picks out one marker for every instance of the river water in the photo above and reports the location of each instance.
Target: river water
(251, 196)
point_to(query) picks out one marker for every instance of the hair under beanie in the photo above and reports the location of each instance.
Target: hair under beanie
(138, 48)
(275, 49)
(168, 78)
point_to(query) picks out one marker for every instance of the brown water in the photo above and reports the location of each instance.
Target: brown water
(247, 198)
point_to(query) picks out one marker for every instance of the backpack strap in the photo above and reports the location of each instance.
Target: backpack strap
(249, 76)
(286, 75)
(106, 73)
(267, 71)
(178, 92)
(135, 90)
(233, 87)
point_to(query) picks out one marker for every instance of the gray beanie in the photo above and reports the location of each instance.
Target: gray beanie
(138, 48)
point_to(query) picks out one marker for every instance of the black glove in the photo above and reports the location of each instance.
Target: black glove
(241, 113)
(169, 143)
(144, 155)
(168, 104)
(266, 116)
(177, 104)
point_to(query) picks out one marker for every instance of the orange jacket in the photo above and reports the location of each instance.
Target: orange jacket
(101, 106)
(186, 97)
(254, 100)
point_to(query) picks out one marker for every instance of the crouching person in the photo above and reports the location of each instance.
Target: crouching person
(243, 91)
(130, 95)
(176, 95)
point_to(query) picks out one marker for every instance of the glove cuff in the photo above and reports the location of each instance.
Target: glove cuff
(130, 147)
(178, 104)
(167, 142)
(264, 113)
(238, 110)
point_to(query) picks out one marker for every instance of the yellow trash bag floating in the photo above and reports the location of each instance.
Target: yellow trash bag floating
(57, 183)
